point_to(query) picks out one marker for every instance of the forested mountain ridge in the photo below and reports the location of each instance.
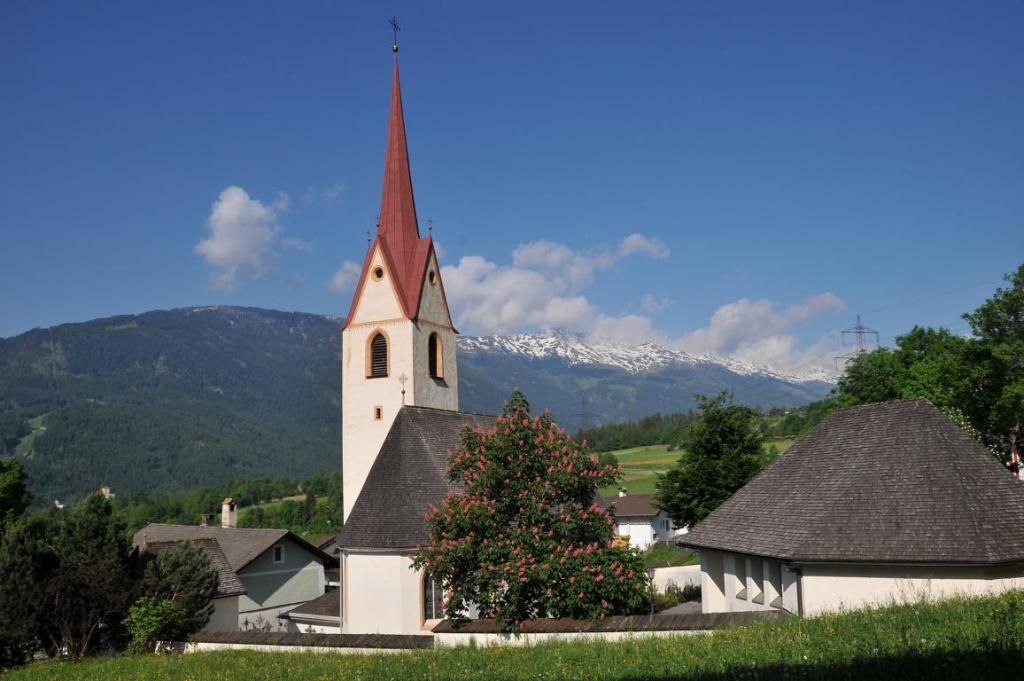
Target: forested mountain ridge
(190, 397)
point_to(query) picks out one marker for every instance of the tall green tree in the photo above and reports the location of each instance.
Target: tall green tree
(14, 497)
(89, 592)
(525, 539)
(177, 596)
(998, 326)
(723, 450)
(26, 563)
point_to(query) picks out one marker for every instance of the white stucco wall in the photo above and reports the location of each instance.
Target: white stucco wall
(832, 588)
(733, 582)
(225, 615)
(378, 309)
(381, 594)
(679, 575)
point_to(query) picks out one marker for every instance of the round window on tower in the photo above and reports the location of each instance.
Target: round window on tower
(378, 273)
(432, 277)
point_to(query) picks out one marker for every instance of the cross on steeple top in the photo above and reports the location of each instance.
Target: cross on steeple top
(393, 21)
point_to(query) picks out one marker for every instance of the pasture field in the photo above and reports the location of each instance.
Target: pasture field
(961, 639)
(641, 465)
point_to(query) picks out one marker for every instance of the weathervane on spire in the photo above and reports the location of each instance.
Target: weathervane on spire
(393, 21)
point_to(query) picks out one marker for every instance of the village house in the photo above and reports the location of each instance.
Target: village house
(276, 569)
(880, 503)
(229, 587)
(637, 519)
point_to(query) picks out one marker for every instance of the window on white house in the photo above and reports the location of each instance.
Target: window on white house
(433, 599)
(279, 554)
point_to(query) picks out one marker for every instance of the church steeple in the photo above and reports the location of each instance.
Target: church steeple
(398, 341)
(398, 225)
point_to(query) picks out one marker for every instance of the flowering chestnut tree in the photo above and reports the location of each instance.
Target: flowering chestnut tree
(524, 539)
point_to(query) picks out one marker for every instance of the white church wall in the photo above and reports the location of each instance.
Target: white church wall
(362, 433)
(388, 599)
(832, 588)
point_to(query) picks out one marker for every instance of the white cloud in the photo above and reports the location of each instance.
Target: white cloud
(652, 304)
(638, 243)
(292, 244)
(242, 233)
(328, 195)
(344, 279)
(542, 289)
(760, 332)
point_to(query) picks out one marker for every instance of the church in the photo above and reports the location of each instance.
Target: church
(400, 418)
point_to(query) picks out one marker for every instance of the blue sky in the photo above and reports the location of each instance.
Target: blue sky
(774, 168)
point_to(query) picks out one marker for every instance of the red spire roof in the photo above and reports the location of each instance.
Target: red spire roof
(398, 224)
(398, 233)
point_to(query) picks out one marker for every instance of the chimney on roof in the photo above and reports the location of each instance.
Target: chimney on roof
(623, 492)
(228, 513)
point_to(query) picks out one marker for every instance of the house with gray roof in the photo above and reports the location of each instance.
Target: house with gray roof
(268, 571)
(880, 503)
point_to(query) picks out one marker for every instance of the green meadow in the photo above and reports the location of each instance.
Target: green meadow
(641, 465)
(959, 639)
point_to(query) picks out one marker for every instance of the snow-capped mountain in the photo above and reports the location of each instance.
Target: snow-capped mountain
(575, 350)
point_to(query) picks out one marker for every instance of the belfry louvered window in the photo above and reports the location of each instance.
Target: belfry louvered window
(378, 356)
(435, 362)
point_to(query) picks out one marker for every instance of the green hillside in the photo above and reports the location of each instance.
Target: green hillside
(171, 400)
(196, 397)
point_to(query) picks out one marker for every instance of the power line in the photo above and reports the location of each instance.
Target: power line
(860, 334)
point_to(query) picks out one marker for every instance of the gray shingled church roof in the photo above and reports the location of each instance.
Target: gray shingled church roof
(241, 545)
(895, 482)
(407, 476)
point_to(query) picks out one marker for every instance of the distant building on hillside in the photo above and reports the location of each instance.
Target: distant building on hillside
(879, 503)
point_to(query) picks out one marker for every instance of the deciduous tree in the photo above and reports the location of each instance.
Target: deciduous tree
(723, 451)
(525, 538)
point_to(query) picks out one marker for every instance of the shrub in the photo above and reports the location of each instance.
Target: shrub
(152, 619)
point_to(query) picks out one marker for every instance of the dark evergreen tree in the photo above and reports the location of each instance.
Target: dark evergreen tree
(723, 451)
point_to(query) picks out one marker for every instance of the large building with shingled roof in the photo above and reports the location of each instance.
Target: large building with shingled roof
(880, 503)
(400, 413)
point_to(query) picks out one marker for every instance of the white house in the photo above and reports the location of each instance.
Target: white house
(637, 519)
(399, 411)
(880, 503)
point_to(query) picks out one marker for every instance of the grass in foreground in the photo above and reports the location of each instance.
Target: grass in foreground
(960, 639)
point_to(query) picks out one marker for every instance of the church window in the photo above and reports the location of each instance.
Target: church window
(378, 273)
(433, 599)
(435, 360)
(432, 277)
(378, 413)
(279, 554)
(378, 359)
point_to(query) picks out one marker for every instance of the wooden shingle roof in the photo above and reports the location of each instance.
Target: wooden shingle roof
(407, 476)
(895, 482)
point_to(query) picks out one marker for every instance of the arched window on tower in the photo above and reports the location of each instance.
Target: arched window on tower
(377, 364)
(435, 358)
